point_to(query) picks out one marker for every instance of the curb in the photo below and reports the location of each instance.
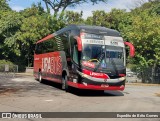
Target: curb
(142, 84)
(24, 74)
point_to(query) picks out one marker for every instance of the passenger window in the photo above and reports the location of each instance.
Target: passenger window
(75, 54)
(38, 49)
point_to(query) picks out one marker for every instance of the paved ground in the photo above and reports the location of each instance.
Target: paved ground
(24, 94)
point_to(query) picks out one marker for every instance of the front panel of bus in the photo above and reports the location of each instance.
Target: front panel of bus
(102, 61)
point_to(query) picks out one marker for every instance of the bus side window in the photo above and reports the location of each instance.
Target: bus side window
(75, 53)
(74, 49)
(65, 43)
(50, 46)
(38, 49)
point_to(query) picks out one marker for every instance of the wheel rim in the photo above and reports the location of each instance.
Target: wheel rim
(39, 77)
(63, 84)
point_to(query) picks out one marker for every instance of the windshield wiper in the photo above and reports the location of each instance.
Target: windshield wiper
(112, 61)
(114, 66)
(100, 60)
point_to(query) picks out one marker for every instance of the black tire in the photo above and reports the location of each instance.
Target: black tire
(40, 77)
(65, 84)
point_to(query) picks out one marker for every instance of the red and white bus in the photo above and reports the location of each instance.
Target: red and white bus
(84, 57)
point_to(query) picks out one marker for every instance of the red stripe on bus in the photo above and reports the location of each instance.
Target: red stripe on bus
(46, 38)
(95, 87)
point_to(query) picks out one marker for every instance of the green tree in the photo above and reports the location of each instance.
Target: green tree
(71, 17)
(20, 30)
(4, 5)
(61, 5)
(115, 19)
(144, 33)
(35, 26)
(9, 24)
(98, 18)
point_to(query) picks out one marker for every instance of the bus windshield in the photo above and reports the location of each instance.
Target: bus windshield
(105, 55)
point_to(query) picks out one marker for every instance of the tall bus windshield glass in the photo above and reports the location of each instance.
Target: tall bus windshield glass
(104, 55)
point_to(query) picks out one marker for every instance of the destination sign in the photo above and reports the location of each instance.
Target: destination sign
(92, 36)
(93, 41)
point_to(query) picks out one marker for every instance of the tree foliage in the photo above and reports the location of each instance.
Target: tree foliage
(20, 30)
(73, 17)
(61, 5)
(110, 20)
(145, 34)
(9, 24)
(4, 5)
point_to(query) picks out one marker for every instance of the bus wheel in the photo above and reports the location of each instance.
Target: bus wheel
(64, 83)
(40, 77)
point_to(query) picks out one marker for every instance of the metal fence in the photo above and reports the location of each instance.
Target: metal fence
(8, 71)
(149, 75)
(143, 75)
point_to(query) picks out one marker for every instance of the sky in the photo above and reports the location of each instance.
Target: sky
(86, 8)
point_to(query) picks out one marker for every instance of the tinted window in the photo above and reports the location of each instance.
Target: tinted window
(91, 52)
(46, 46)
(75, 54)
(112, 54)
(49, 46)
(63, 43)
(38, 49)
(58, 43)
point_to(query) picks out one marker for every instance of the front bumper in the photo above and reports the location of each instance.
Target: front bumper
(95, 87)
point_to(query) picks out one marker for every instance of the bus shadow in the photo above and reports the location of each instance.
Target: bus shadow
(95, 93)
(80, 92)
(53, 84)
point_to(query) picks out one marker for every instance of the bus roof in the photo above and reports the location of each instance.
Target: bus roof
(90, 29)
(84, 28)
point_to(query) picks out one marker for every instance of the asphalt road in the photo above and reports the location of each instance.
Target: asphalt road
(24, 94)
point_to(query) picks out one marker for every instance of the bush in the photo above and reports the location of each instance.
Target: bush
(12, 67)
(2, 62)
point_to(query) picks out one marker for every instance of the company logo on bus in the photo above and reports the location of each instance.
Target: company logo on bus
(52, 65)
(95, 74)
(89, 64)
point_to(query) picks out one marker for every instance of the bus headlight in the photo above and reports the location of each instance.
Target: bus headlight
(74, 80)
(122, 78)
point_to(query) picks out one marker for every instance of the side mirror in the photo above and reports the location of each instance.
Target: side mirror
(79, 43)
(132, 49)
